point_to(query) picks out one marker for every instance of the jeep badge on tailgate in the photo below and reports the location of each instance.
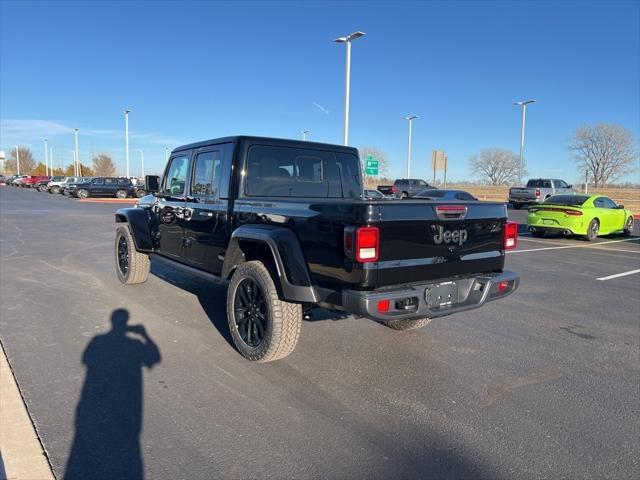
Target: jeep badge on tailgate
(450, 236)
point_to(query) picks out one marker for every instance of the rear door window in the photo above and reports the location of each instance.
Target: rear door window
(206, 175)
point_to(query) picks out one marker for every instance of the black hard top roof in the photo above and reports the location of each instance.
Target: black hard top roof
(284, 142)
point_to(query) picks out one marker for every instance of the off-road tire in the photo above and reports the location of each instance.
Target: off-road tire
(139, 263)
(121, 194)
(284, 319)
(592, 231)
(404, 195)
(82, 193)
(54, 189)
(140, 193)
(404, 324)
(628, 227)
(538, 233)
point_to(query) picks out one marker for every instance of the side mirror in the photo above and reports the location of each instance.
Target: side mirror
(620, 207)
(152, 183)
(569, 186)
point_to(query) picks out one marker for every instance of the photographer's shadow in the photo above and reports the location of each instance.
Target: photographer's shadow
(109, 417)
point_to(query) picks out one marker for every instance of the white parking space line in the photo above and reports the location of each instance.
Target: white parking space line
(617, 275)
(571, 246)
(537, 240)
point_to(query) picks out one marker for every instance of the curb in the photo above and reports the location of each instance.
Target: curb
(23, 456)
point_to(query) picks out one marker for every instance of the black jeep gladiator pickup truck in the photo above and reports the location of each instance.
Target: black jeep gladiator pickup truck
(286, 223)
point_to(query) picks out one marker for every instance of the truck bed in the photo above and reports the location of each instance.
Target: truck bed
(409, 234)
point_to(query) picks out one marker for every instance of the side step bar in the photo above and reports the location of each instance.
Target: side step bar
(211, 277)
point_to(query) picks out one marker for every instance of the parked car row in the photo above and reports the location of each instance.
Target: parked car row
(80, 187)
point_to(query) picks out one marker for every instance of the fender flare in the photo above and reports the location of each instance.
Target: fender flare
(287, 255)
(139, 225)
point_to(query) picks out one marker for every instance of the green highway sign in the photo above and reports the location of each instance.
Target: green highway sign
(371, 165)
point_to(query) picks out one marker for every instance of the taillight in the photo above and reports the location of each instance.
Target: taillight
(383, 305)
(510, 235)
(367, 244)
(537, 193)
(394, 189)
(574, 213)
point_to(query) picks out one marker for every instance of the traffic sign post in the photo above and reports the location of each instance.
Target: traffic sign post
(439, 161)
(370, 165)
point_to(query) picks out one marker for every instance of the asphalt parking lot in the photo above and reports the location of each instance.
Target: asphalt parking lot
(545, 384)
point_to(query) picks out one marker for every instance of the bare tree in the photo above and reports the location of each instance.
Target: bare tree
(27, 162)
(103, 165)
(498, 165)
(383, 160)
(605, 151)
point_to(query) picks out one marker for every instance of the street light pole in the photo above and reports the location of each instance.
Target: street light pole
(126, 138)
(410, 118)
(304, 134)
(46, 157)
(347, 40)
(523, 104)
(18, 159)
(142, 162)
(76, 168)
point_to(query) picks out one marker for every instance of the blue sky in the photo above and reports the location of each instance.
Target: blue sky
(196, 70)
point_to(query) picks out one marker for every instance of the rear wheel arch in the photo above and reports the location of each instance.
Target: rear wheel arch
(279, 250)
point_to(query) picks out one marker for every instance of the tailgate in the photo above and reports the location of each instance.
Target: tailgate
(522, 193)
(425, 240)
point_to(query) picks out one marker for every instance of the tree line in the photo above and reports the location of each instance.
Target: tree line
(102, 165)
(603, 153)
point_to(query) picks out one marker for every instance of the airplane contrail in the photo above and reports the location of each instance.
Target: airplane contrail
(321, 108)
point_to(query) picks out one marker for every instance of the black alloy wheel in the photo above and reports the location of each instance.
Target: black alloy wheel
(250, 309)
(123, 256)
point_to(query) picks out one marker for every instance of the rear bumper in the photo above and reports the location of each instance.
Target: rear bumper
(472, 292)
(566, 225)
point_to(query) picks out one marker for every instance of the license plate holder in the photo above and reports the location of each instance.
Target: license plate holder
(441, 294)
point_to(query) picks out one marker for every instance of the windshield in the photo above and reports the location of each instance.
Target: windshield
(569, 200)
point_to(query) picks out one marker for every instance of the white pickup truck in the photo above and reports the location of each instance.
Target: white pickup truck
(537, 191)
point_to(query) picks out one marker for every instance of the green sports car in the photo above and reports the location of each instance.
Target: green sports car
(585, 215)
